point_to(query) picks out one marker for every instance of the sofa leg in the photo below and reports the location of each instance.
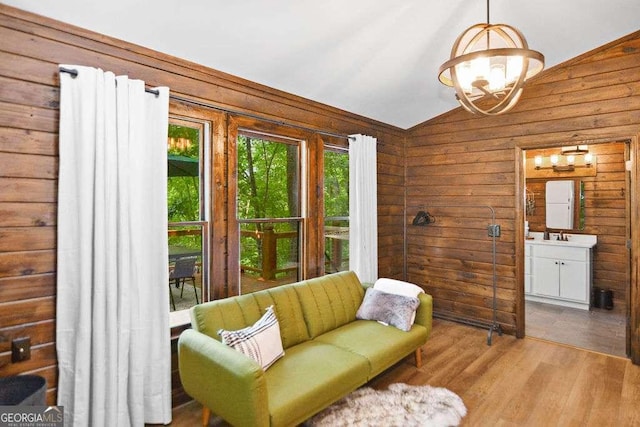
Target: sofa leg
(419, 357)
(206, 414)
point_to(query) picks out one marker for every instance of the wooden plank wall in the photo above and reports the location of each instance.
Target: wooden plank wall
(31, 47)
(475, 160)
(605, 216)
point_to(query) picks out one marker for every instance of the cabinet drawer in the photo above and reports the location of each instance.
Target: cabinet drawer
(559, 252)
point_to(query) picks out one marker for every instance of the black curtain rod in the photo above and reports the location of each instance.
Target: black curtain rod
(74, 74)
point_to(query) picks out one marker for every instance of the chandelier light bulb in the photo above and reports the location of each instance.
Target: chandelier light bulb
(481, 71)
(497, 79)
(514, 68)
(465, 77)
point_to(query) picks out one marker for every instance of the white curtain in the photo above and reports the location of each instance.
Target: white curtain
(112, 321)
(363, 208)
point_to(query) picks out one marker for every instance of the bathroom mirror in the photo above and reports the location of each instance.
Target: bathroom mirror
(541, 216)
(559, 202)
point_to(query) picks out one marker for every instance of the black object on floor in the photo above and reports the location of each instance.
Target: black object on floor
(603, 298)
(27, 390)
(595, 297)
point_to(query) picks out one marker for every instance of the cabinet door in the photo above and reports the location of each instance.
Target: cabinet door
(573, 280)
(546, 280)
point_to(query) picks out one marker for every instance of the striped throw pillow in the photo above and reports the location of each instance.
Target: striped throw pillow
(261, 341)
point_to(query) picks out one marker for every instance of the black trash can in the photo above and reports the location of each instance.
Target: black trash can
(606, 299)
(595, 297)
(29, 390)
(602, 298)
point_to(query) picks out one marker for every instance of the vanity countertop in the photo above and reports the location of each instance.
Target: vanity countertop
(574, 240)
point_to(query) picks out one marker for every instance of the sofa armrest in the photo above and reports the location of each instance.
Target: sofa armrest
(222, 379)
(424, 314)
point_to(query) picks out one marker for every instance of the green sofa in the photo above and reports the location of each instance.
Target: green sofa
(328, 352)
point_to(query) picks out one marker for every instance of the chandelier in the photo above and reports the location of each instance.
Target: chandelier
(179, 144)
(488, 67)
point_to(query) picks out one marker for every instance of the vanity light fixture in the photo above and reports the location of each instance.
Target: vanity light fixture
(570, 165)
(564, 168)
(575, 149)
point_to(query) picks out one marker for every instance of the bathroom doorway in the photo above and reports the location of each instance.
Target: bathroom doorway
(602, 209)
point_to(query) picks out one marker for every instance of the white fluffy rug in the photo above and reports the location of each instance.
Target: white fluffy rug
(401, 405)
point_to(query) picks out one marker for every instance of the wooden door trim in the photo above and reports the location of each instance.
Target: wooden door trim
(634, 292)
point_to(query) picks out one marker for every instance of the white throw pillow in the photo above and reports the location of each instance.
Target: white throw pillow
(261, 341)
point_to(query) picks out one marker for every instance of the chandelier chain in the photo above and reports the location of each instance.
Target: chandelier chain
(488, 22)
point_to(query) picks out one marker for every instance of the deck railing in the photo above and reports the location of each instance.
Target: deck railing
(267, 242)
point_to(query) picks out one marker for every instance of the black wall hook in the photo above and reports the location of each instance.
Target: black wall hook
(423, 218)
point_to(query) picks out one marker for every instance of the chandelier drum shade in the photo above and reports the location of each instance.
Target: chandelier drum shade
(488, 67)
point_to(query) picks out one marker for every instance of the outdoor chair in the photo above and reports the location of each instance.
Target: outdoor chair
(184, 269)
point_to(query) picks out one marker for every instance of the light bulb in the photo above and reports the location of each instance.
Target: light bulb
(571, 159)
(514, 68)
(538, 161)
(480, 70)
(554, 159)
(588, 159)
(497, 78)
(463, 73)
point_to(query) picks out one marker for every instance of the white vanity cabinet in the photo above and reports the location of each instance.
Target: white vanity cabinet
(558, 273)
(528, 277)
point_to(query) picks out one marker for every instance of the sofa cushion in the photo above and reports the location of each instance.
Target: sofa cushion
(391, 309)
(229, 313)
(329, 301)
(242, 311)
(260, 341)
(289, 312)
(380, 345)
(309, 378)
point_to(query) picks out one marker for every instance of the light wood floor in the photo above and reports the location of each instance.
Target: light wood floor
(526, 382)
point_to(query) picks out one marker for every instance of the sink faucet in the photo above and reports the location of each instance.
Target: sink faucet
(561, 236)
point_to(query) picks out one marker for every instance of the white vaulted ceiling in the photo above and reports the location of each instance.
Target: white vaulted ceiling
(377, 58)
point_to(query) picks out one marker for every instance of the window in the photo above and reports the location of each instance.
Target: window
(187, 202)
(268, 210)
(336, 209)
